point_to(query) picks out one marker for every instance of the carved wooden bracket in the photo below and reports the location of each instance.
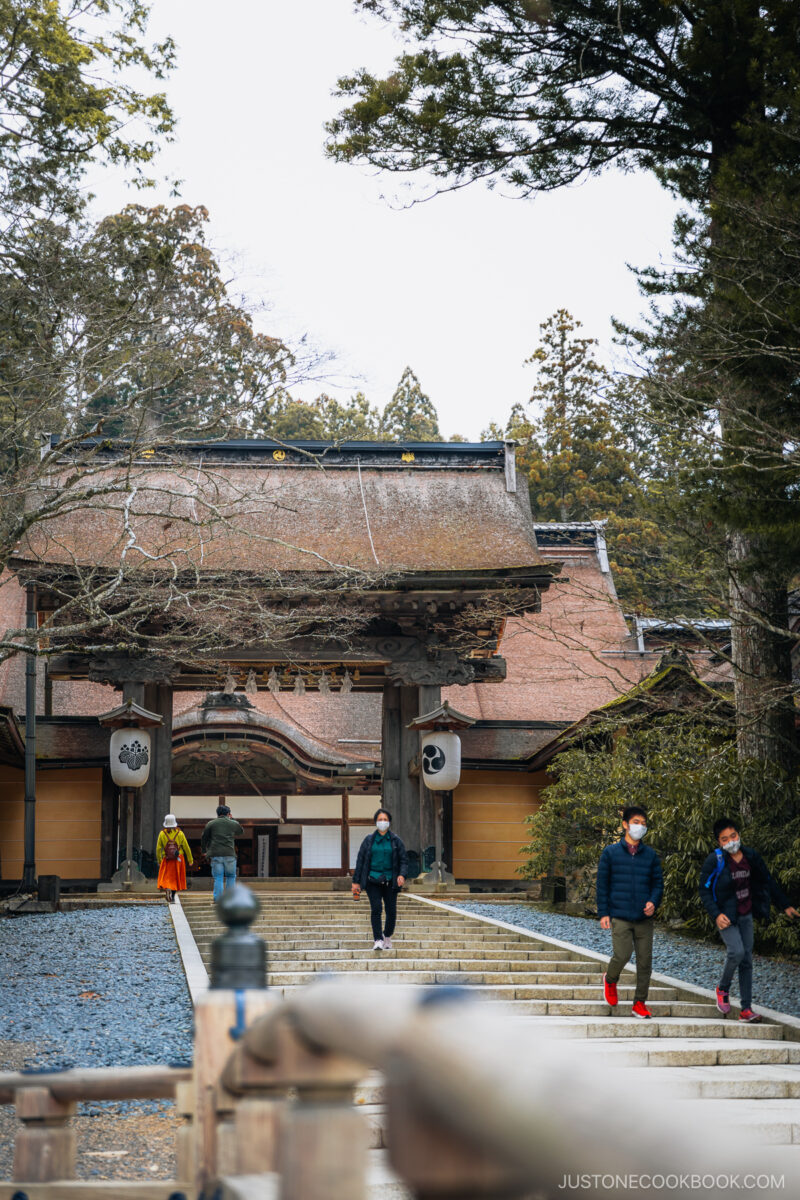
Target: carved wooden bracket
(445, 669)
(122, 668)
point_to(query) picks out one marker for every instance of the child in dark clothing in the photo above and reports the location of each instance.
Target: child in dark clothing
(734, 891)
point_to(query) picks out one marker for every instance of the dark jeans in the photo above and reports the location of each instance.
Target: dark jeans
(625, 937)
(739, 942)
(387, 895)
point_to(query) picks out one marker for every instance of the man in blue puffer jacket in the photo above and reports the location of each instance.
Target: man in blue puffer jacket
(630, 885)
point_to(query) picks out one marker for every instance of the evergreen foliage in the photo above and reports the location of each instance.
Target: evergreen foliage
(67, 92)
(574, 448)
(409, 416)
(593, 447)
(538, 95)
(685, 773)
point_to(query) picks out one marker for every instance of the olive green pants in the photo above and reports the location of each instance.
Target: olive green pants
(627, 936)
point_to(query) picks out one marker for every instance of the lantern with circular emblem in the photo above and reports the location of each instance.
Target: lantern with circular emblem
(440, 759)
(440, 771)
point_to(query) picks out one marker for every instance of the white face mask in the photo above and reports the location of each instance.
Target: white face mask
(637, 831)
(382, 825)
(732, 847)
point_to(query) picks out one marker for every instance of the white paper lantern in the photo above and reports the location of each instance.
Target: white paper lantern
(130, 757)
(441, 760)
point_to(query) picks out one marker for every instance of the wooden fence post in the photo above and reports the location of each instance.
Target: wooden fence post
(185, 1137)
(322, 1144)
(44, 1150)
(215, 1016)
(320, 1138)
(236, 998)
(255, 1122)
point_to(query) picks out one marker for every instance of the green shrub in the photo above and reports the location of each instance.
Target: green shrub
(685, 773)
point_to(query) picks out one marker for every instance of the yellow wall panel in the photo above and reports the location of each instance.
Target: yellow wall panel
(68, 815)
(489, 811)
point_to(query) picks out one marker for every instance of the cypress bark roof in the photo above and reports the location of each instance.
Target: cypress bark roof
(451, 509)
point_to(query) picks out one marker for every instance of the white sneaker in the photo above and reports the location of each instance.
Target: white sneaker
(378, 945)
(387, 943)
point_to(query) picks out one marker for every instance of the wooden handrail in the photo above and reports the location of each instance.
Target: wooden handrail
(469, 1086)
(99, 1083)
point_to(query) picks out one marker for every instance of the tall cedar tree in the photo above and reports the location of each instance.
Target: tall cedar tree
(536, 95)
(592, 448)
(410, 416)
(579, 463)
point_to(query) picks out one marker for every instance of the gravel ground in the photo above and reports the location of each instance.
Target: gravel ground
(97, 989)
(776, 982)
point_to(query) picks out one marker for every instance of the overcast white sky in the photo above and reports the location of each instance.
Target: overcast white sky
(455, 287)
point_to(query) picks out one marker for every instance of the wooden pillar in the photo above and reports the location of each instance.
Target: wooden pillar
(135, 691)
(400, 791)
(447, 829)
(405, 796)
(157, 792)
(429, 699)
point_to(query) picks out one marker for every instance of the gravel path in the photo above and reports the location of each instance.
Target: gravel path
(95, 989)
(776, 982)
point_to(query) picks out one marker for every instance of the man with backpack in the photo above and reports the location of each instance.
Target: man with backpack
(735, 887)
(630, 885)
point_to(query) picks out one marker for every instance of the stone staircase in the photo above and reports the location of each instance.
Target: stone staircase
(751, 1073)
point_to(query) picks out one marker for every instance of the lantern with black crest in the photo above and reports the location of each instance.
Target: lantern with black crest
(440, 746)
(130, 752)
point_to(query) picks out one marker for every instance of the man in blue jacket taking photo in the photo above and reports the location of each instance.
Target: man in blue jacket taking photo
(630, 885)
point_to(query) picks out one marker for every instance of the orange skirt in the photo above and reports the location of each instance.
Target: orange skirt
(172, 874)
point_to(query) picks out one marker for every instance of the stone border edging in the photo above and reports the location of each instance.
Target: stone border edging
(194, 968)
(791, 1025)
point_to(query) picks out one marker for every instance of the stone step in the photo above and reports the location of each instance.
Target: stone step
(694, 1052)
(520, 1000)
(747, 1082)
(770, 1122)
(534, 975)
(278, 928)
(421, 946)
(524, 986)
(401, 953)
(631, 1027)
(370, 1091)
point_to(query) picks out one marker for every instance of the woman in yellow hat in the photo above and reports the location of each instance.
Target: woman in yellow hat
(173, 853)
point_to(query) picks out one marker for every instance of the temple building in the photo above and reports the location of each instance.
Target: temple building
(462, 596)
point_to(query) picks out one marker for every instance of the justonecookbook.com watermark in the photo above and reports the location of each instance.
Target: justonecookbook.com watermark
(673, 1182)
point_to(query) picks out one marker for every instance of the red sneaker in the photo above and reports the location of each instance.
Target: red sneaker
(609, 993)
(723, 1003)
(747, 1014)
(640, 1010)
